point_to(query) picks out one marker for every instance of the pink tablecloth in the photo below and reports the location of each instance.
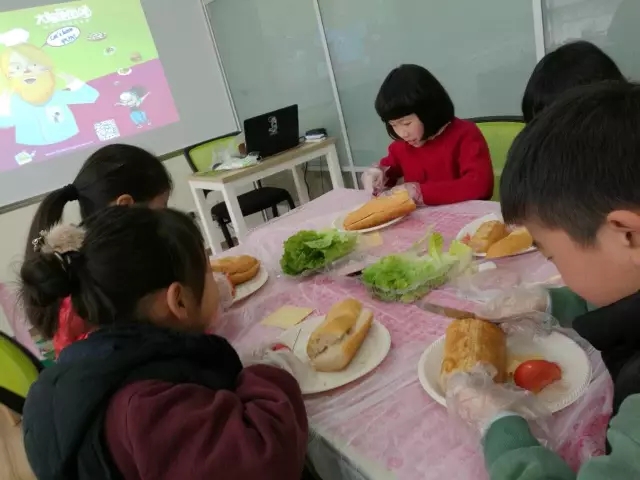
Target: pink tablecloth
(387, 417)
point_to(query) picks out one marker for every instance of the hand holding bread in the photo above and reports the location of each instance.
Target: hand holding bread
(470, 342)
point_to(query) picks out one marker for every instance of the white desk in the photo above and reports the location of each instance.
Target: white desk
(227, 183)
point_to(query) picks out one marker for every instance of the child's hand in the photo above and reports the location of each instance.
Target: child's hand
(373, 180)
(276, 356)
(477, 400)
(413, 189)
(514, 302)
(226, 290)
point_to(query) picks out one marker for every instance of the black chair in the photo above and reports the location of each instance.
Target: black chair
(261, 199)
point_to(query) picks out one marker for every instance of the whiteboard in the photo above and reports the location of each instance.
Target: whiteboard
(77, 75)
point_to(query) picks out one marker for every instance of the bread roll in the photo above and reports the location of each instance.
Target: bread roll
(488, 234)
(334, 343)
(239, 269)
(469, 342)
(380, 210)
(515, 242)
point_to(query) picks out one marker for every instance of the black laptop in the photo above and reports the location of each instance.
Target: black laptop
(273, 132)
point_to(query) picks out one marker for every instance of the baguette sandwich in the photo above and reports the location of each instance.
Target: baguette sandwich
(469, 342)
(487, 234)
(517, 241)
(334, 343)
(380, 210)
(239, 269)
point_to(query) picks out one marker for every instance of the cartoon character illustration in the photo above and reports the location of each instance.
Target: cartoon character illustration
(39, 112)
(134, 98)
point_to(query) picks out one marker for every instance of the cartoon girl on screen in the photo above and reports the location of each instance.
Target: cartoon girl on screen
(134, 99)
(39, 112)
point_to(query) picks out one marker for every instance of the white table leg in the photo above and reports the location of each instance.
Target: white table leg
(237, 220)
(334, 167)
(204, 211)
(301, 187)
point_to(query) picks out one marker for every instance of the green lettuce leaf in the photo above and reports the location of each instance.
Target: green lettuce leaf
(310, 250)
(407, 277)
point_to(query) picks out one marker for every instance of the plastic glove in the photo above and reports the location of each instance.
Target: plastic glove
(476, 400)
(280, 356)
(226, 291)
(413, 189)
(516, 301)
(373, 180)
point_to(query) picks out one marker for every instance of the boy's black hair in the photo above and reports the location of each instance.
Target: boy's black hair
(127, 253)
(571, 65)
(577, 161)
(111, 171)
(412, 89)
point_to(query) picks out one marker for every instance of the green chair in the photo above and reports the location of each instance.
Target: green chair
(19, 368)
(258, 200)
(499, 132)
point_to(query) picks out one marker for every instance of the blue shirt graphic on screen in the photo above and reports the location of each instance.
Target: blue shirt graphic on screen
(39, 112)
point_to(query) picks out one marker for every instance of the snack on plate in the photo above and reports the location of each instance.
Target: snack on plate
(334, 343)
(496, 240)
(309, 250)
(469, 342)
(380, 210)
(238, 269)
(518, 240)
(487, 234)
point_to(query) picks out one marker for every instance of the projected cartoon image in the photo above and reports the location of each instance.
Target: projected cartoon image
(134, 99)
(33, 105)
(60, 90)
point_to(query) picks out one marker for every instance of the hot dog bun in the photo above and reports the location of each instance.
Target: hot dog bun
(380, 210)
(469, 342)
(239, 269)
(334, 343)
(487, 234)
(517, 241)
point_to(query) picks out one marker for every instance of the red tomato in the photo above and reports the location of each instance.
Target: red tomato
(279, 346)
(466, 239)
(535, 375)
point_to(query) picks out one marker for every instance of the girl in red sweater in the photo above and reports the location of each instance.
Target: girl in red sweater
(442, 158)
(114, 175)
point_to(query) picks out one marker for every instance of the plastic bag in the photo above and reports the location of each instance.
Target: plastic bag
(475, 400)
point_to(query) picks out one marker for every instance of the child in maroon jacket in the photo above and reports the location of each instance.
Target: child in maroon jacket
(442, 159)
(149, 395)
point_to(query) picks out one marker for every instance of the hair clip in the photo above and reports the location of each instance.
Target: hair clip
(39, 242)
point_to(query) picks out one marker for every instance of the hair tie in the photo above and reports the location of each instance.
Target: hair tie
(70, 192)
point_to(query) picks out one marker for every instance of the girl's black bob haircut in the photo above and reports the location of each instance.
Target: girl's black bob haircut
(571, 65)
(412, 89)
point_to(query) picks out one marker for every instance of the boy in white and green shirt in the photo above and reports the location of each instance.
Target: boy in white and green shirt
(573, 179)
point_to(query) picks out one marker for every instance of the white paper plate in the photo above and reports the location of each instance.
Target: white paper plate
(372, 352)
(472, 227)
(338, 223)
(252, 286)
(558, 348)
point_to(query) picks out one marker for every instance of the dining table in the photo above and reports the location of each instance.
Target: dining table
(384, 425)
